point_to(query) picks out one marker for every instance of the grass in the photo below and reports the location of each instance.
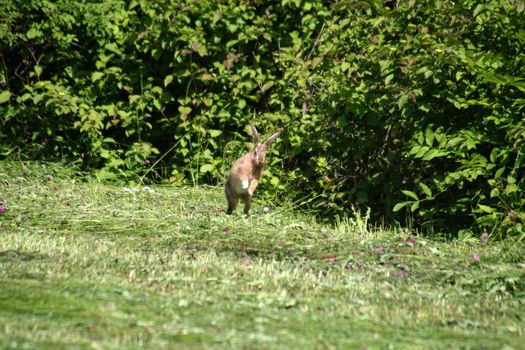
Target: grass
(91, 266)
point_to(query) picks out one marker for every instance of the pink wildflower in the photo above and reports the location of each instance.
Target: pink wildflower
(411, 240)
(474, 257)
(226, 229)
(399, 273)
(2, 208)
(330, 260)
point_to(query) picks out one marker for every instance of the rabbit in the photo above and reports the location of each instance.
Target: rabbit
(246, 173)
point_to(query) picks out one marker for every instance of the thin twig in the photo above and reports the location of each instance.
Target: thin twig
(316, 42)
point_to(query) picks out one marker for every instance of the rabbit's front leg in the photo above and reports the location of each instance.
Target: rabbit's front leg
(253, 186)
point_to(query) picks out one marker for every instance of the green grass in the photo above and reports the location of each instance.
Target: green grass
(86, 265)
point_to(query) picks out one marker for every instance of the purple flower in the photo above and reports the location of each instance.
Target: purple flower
(474, 257)
(226, 229)
(2, 208)
(484, 238)
(399, 273)
(348, 266)
(48, 177)
(512, 215)
(358, 266)
(330, 260)
(381, 246)
(411, 240)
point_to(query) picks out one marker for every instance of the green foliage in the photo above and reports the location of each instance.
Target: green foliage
(415, 111)
(425, 103)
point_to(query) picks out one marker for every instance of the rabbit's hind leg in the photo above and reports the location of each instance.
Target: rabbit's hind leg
(232, 199)
(247, 200)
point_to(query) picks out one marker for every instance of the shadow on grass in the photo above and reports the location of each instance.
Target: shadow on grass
(12, 255)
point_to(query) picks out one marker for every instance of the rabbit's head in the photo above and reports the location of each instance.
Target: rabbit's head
(259, 150)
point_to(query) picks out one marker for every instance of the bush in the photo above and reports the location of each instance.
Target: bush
(414, 110)
(426, 98)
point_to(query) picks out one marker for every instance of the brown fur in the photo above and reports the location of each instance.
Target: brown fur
(246, 173)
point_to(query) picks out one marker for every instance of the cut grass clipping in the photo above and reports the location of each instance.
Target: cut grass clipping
(86, 265)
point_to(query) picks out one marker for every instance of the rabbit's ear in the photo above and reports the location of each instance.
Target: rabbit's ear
(255, 135)
(272, 138)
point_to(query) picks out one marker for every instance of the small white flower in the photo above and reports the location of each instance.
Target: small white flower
(266, 209)
(149, 189)
(129, 189)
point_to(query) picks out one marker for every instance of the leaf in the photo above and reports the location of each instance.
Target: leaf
(389, 78)
(38, 70)
(486, 208)
(214, 133)
(424, 106)
(5, 96)
(410, 194)
(496, 78)
(520, 84)
(478, 9)
(414, 206)
(33, 33)
(242, 103)
(499, 172)
(184, 112)
(421, 151)
(267, 86)
(96, 76)
(426, 190)
(156, 53)
(459, 75)
(494, 193)
(402, 101)
(167, 80)
(434, 153)
(400, 206)
(429, 137)
(207, 168)
(203, 51)
(511, 188)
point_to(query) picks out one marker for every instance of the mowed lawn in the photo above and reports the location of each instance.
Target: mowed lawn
(85, 265)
